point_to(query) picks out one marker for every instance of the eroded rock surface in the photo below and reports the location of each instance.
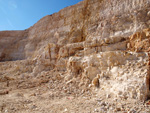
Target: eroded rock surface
(95, 44)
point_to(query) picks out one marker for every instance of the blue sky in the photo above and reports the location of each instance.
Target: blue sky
(21, 14)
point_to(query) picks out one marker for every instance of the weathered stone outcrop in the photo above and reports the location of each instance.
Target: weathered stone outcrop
(104, 41)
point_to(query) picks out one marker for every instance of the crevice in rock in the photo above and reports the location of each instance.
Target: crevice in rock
(85, 12)
(149, 71)
(148, 79)
(2, 57)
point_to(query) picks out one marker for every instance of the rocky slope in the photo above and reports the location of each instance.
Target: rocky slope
(95, 48)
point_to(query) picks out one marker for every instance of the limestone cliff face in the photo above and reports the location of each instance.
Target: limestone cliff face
(104, 41)
(12, 45)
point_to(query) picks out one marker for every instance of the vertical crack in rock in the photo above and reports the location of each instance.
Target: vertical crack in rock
(148, 78)
(85, 17)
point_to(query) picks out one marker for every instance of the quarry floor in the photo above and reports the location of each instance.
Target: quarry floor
(39, 100)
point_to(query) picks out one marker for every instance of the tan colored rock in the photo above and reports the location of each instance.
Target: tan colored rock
(95, 81)
(91, 72)
(140, 41)
(94, 37)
